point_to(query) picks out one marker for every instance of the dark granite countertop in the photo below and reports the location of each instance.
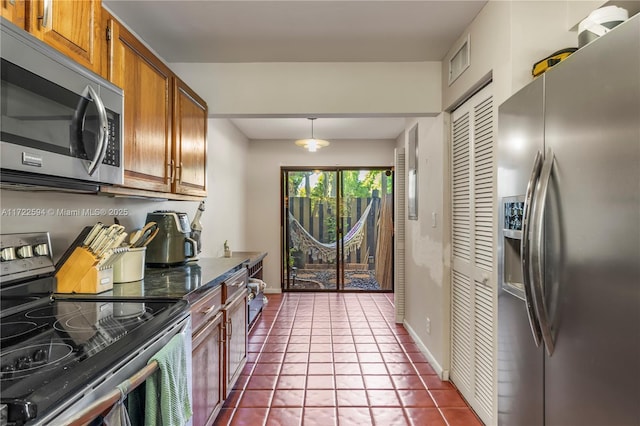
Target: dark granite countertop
(189, 281)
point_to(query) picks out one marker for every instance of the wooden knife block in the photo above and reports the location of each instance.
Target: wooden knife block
(80, 274)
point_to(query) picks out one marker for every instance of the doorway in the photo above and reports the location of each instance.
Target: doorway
(337, 232)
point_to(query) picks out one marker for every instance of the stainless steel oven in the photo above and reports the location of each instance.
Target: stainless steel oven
(62, 358)
(58, 119)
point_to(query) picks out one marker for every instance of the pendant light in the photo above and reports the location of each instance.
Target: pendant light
(312, 144)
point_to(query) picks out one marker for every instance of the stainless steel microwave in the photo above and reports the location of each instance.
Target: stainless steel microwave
(59, 121)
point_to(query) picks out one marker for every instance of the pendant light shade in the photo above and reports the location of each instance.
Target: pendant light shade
(312, 144)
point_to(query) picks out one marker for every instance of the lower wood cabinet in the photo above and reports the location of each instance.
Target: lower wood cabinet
(219, 349)
(207, 372)
(235, 320)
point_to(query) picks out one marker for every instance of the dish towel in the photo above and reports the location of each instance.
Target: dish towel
(167, 400)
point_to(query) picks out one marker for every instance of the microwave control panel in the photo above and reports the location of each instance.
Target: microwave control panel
(112, 156)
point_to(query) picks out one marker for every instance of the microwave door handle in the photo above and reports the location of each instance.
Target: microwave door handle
(525, 250)
(101, 150)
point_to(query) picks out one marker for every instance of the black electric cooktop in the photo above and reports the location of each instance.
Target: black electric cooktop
(50, 351)
(54, 350)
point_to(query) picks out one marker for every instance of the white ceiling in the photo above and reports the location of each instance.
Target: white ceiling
(300, 31)
(297, 30)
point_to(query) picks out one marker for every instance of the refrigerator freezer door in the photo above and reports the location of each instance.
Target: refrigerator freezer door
(520, 361)
(592, 247)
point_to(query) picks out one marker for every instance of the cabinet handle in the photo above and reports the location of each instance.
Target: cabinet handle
(173, 171)
(46, 13)
(209, 310)
(230, 328)
(238, 284)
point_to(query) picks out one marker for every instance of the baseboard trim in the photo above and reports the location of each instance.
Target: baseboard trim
(443, 374)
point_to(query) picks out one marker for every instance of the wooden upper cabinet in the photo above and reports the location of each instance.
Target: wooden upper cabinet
(165, 122)
(190, 140)
(146, 82)
(71, 27)
(14, 11)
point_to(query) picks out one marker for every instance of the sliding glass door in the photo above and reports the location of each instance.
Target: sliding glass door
(337, 229)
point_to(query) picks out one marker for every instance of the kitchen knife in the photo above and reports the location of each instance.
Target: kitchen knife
(113, 232)
(97, 240)
(114, 245)
(92, 234)
(111, 256)
(102, 240)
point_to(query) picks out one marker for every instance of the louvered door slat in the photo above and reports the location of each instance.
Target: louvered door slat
(484, 347)
(461, 359)
(484, 183)
(460, 189)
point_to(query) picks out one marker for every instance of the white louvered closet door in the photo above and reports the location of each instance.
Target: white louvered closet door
(399, 236)
(473, 291)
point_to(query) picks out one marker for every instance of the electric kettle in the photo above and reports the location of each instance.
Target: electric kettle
(172, 245)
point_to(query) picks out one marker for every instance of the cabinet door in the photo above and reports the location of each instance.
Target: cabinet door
(147, 111)
(207, 372)
(14, 11)
(236, 339)
(72, 27)
(190, 140)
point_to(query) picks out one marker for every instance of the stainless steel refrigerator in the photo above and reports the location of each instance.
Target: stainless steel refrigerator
(569, 241)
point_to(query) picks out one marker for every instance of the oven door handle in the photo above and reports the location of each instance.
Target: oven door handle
(101, 150)
(101, 404)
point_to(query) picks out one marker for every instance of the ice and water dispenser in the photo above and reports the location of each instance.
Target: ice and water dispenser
(513, 216)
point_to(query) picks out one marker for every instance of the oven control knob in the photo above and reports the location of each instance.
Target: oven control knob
(40, 356)
(41, 249)
(7, 371)
(7, 254)
(25, 252)
(23, 362)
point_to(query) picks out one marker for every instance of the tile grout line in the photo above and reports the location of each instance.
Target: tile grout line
(354, 313)
(404, 409)
(438, 407)
(244, 387)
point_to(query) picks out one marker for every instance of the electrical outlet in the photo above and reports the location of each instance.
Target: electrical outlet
(434, 221)
(428, 325)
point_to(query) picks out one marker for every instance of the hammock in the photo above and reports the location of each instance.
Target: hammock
(327, 251)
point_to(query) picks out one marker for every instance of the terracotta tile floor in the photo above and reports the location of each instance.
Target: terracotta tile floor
(338, 359)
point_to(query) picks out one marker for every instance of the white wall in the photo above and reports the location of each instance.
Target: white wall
(507, 38)
(426, 242)
(264, 193)
(490, 49)
(316, 88)
(226, 181)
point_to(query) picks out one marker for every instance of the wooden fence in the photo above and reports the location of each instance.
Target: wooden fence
(319, 219)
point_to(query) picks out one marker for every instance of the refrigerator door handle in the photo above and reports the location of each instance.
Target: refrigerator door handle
(537, 252)
(526, 252)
